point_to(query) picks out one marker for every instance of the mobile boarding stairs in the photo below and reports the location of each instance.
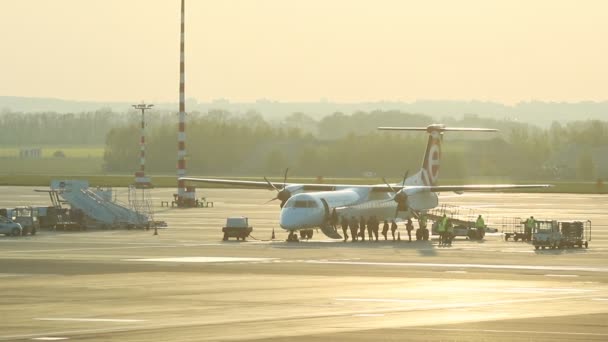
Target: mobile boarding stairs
(98, 206)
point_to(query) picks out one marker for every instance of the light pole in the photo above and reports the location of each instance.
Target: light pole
(141, 181)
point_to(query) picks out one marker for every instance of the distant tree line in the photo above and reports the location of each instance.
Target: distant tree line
(340, 145)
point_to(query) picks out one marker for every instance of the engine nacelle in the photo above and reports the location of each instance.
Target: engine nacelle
(423, 201)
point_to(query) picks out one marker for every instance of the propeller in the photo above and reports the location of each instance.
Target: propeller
(283, 195)
(399, 195)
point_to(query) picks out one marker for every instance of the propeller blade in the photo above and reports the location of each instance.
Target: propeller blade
(285, 178)
(389, 186)
(404, 178)
(270, 184)
(274, 199)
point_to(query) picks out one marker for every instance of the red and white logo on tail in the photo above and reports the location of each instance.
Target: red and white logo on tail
(432, 159)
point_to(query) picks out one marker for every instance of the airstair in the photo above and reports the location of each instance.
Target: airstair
(98, 205)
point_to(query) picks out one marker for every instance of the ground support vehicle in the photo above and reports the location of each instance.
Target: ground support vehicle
(237, 227)
(561, 234)
(9, 228)
(546, 234)
(514, 229)
(463, 221)
(575, 234)
(56, 217)
(48, 217)
(27, 217)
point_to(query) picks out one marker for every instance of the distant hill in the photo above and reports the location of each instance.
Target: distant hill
(535, 112)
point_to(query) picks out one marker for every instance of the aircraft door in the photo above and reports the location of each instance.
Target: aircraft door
(325, 209)
(327, 228)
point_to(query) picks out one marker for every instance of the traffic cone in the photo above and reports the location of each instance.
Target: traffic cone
(272, 237)
(398, 236)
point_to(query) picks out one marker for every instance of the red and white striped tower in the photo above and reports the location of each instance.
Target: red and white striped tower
(141, 181)
(186, 196)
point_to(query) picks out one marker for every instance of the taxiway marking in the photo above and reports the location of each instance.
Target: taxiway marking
(479, 266)
(511, 331)
(203, 259)
(383, 300)
(92, 320)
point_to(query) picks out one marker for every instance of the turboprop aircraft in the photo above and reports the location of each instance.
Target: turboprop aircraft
(308, 206)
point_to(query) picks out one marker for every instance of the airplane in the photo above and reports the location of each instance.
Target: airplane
(305, 207)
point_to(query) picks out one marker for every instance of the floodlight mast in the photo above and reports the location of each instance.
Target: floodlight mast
(141, 181)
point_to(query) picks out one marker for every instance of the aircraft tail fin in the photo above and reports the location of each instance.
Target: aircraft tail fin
(432, 157)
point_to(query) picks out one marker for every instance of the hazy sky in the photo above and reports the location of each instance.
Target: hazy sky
(291, 50)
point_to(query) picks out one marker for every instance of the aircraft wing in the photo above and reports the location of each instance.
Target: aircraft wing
(260, 184)
(376, 188)
(475, 187)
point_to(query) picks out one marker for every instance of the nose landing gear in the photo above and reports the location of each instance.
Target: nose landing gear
(292, 237)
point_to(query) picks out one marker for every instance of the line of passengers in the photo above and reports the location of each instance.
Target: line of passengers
(357, 228)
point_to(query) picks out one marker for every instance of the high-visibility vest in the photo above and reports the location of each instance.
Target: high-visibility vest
(442, 225)
(530, 223)
(480, 223)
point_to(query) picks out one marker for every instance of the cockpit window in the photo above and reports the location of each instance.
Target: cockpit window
(302, 204)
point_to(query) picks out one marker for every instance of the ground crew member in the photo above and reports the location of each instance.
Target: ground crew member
(442, 228)
(385, 230)
(449, 233)
(481, 227)
(409, 227)
(529, 226)
(362, 228)
(354, 228)
(376, 225)
(370, 228)
(393, 228)
(344, 224)
(422, 227)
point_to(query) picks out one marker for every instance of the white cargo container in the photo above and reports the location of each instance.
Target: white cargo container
(237, 227)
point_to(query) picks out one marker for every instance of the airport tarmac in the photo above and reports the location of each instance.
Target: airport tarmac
(186, 284)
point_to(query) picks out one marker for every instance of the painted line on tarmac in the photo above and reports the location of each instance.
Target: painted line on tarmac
(368, 315)
(383, 300)
(202, 259)
(541, 290)
(562, 275)
(11, 275)
(91, 320)
(89, 249)
(600, 299)
(475, 266)
(510, 331)
(49, 338)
